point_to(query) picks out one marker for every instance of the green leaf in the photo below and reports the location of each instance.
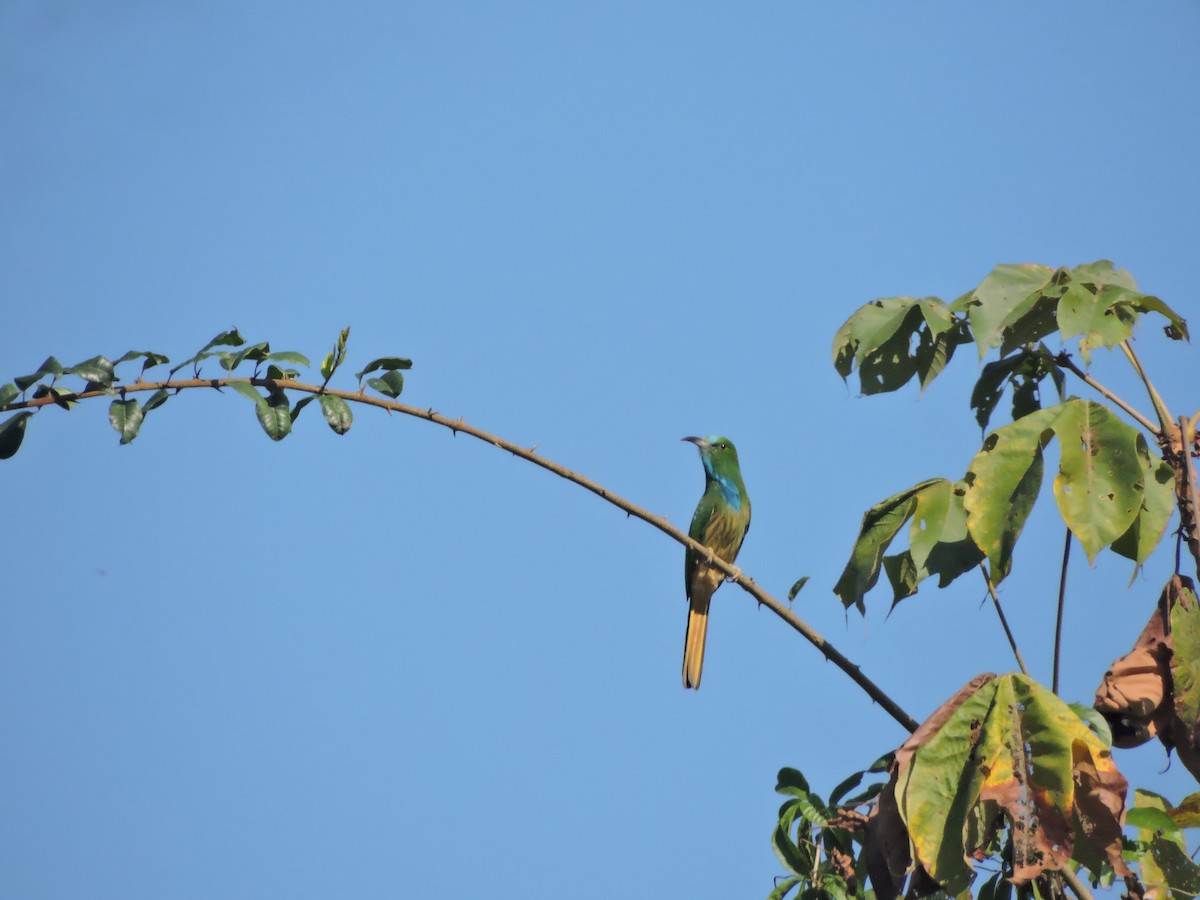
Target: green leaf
(1150, 821)
(337, 413)
(1030, 321)
(794, 857)
(1003, 481)
(1102, 272)
(1093, 720)
(784, 888)
(1099, 486)
(845, 786)
(1178, 870)
(157, 399)
(1158, 505)
(126, 417)
(57, 394)
(880, 525)
(274, 416)
(289, 356)
(391, 384)
(938, 542)
(385, 362)
(247, 390)
(992, 303)
(50, 367)
(229, 338)
(1013, 747)
(8, 393)
(989, 387)
(96, 370)
(151, 358)
(12, 432)
(1185, 661)
(797, 588)
(336, 356)
(300, 404)
(1176, 329)
(1187, 813)
(255, 353)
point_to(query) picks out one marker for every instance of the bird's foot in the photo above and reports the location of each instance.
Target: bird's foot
(737, 573)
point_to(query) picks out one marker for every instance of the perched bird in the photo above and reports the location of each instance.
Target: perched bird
(720, 522)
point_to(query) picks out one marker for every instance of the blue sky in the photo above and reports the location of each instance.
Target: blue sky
(400, 663)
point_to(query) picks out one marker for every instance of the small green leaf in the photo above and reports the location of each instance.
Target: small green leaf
(12, 432)
(300, 404)
(96, 370)
(1176, 329)
(8, 393)
(57, 394)
(274, 373)
(880, 525)
(391, 384)
(1094, 720)
(385, 362)
(126, 417)
(274, 416)
(1187, 813)
(336, 356)
(51, 367)
(151, 358)
(255, 353)
(157, 399)
(784, 888)
(229, 338)
(337, 413)
(289, 356)
(247, 390)
(797, 588)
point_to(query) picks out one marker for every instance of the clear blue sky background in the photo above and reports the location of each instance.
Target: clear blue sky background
(400, 664)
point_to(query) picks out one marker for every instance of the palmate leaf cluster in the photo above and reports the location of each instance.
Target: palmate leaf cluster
(271, 371)
(1111, 488)
(1006, 788)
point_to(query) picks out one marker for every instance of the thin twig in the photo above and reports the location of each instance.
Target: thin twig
(734, 574)
(1063, 361)
(1012, 641)
(1078, 888)
(1062, 596)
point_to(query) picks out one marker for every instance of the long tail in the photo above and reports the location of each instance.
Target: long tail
(693, 643)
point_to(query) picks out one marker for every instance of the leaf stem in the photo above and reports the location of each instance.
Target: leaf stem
(734, 574)
(1062, 596)
(1078, 888)
(1165, 420)
(1012, 641)
(1064, 361)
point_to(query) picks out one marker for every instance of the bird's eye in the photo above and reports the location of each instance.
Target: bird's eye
(723, 445)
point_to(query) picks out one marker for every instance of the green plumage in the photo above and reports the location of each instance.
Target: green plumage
(720, 522)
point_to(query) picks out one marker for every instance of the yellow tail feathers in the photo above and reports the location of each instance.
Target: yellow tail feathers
(693, 643)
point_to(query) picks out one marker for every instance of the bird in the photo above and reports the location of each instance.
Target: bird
(720, 522)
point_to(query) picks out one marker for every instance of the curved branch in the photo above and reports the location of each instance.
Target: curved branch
(734, 574)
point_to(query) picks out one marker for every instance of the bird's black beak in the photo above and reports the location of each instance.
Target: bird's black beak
(699, 442)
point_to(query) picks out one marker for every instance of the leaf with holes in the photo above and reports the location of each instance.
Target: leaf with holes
(1011, 747)
(879, 527)
(1158, 505)
(1099, 486)
(1003, 291)
(1003, 481)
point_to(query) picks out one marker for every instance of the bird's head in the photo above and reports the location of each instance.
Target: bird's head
(717, 453)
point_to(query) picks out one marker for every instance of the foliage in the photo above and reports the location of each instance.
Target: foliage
(1005, 772)
(1005, 787)
(272, 371)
